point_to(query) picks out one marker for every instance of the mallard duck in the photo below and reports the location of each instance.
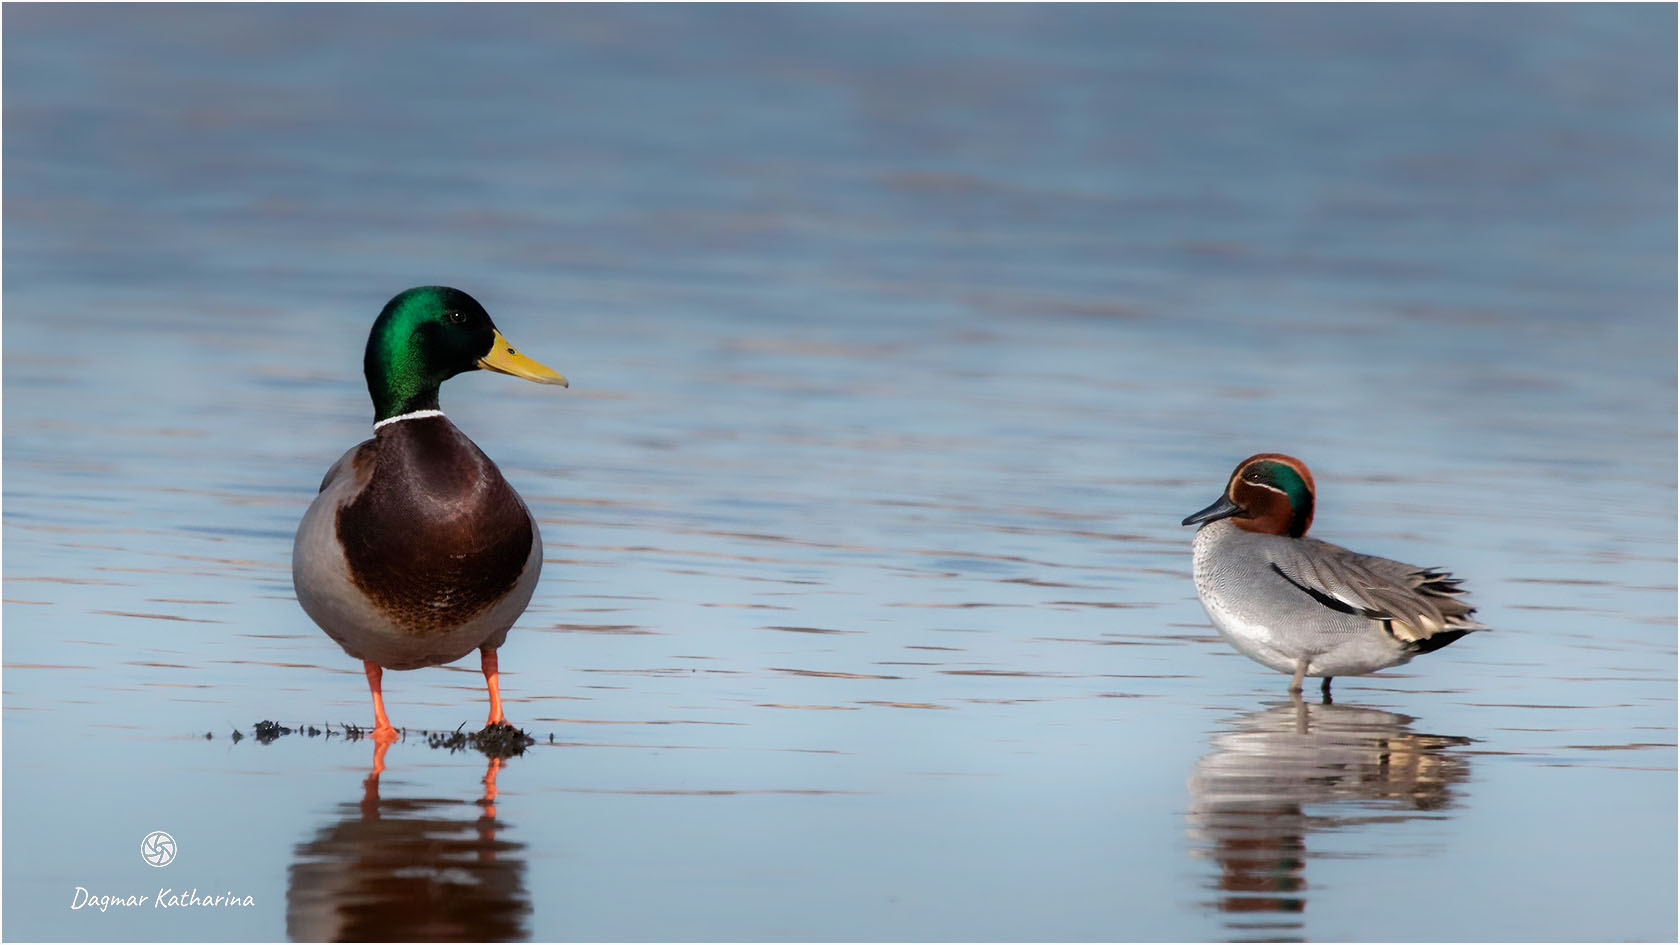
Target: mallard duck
(416, 551)
(1304, 606)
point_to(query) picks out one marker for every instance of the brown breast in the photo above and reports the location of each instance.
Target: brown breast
(437, 535)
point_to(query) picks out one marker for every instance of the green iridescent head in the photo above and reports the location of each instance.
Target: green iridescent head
(427, 335)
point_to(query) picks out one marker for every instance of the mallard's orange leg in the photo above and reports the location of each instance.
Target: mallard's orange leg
(383, 730)
(488, 660)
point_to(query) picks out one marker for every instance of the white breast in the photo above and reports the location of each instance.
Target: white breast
(1249, 637)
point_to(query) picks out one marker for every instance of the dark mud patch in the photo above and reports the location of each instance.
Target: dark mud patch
(501, 740)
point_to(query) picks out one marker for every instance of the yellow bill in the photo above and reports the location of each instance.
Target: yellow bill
(503, 359)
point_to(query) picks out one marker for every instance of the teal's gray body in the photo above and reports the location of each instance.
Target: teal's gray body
(1282, 601)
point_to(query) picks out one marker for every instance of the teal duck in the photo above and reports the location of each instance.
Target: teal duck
(1307, 607)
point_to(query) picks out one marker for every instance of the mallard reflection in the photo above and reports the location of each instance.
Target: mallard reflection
(410, 869)
(1280, 774)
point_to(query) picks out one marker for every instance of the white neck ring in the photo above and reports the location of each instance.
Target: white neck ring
(412, 415)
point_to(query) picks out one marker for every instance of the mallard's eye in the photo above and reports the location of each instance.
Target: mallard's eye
(458, 318)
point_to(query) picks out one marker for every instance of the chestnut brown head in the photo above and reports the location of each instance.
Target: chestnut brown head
(1268, 493)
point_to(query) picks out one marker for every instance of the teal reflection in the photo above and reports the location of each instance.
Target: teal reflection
(1276, 776)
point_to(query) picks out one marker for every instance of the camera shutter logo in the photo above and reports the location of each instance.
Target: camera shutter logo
(158, 849)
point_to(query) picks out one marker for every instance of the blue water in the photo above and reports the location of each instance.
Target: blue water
(901, 338)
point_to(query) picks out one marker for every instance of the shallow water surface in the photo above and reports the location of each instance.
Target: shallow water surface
(901, 339)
